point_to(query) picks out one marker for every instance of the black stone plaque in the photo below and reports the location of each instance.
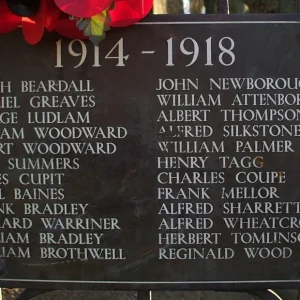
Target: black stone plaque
(166, 157)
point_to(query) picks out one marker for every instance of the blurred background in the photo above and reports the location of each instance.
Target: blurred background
(236, 6)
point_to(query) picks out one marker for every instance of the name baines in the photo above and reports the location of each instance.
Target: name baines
(82, 254)
(196, 253)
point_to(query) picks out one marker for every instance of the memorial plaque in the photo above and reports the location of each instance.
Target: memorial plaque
(166, 157)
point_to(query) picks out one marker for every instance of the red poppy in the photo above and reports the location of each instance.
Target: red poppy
(83, 8)
(67, 28)
(125, 13)
(128, 12)
(32, 27)
(52, 15)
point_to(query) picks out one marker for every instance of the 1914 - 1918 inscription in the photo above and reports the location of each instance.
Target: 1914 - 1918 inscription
(168, 155)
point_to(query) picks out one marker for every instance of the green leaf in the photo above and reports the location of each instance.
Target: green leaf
(95, 27)
(82, 23)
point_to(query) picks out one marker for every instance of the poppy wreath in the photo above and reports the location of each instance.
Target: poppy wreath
(75, 19)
